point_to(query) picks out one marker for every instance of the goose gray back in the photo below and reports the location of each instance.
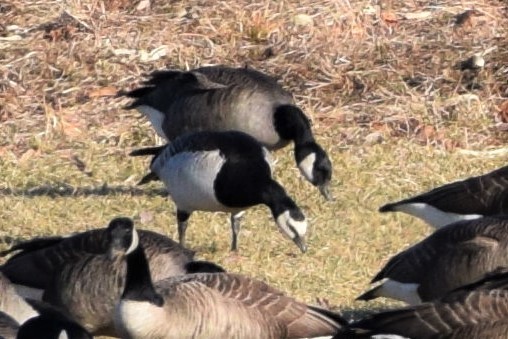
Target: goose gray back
(213, 305)
(455, 255)
(12, 303)
(222, 98)
(38, 259)
(223, 171)
(473, 198)
(473, 315)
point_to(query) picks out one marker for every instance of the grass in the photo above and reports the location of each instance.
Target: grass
(377, 81)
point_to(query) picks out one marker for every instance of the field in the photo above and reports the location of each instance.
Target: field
(378, 81)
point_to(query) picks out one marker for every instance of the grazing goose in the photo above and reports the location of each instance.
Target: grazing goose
(222, 171)
(212, 305)
(471, 314)
(221, 98)
(88, 286)
(455, 255)
(472, 198)
(38, 259)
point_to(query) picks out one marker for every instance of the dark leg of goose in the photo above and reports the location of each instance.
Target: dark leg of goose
(182, 218)
(235, 229)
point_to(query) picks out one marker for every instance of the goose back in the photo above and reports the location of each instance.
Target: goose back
(475, 314)
(451, 257)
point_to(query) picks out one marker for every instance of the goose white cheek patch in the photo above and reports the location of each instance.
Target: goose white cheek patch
(284, 221)
(307, 165)
(63, 335)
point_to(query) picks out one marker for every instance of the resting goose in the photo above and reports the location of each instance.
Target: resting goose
(468, 199)
(222, 98)
(212, 305)
(455, 255)
(87, 287)
(222, 171)
(36, 260)
(475, 314)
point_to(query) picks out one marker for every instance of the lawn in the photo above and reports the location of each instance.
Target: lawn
(378, 80)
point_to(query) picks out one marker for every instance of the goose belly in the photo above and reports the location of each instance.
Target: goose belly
(189, 178)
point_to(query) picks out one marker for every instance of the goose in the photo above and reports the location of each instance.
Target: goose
(473, 315)
(222, 171)
(212, 305)
(87, 286)
(473, 198)
(36, 260)
(220, 98)
(455, 255)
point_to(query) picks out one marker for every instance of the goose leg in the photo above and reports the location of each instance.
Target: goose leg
(182, 218)
(235, 229)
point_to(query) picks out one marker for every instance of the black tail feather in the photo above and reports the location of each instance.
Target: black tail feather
(147, 151)
(388, 207)
(370, 294)
(32, 245)
(147, 178)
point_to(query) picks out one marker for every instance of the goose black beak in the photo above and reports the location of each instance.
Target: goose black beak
(325, 191)
(300, 242)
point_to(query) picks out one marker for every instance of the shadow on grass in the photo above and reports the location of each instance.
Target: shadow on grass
(65, 190)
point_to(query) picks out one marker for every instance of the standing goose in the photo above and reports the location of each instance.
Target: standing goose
(221, 98)
(222, 171)
(212, 305)
(473, 315)
(473, 198)
(34, 266)
(88, 286)
(455, 255)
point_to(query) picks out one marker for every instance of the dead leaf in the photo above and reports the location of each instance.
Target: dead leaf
(389, 17)
(503, 112)
(108, 91)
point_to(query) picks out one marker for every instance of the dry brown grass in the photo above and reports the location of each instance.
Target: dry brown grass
(378, 81)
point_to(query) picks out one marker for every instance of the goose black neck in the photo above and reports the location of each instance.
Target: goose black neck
(292, 124)
(275, 197)
(138, 283)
